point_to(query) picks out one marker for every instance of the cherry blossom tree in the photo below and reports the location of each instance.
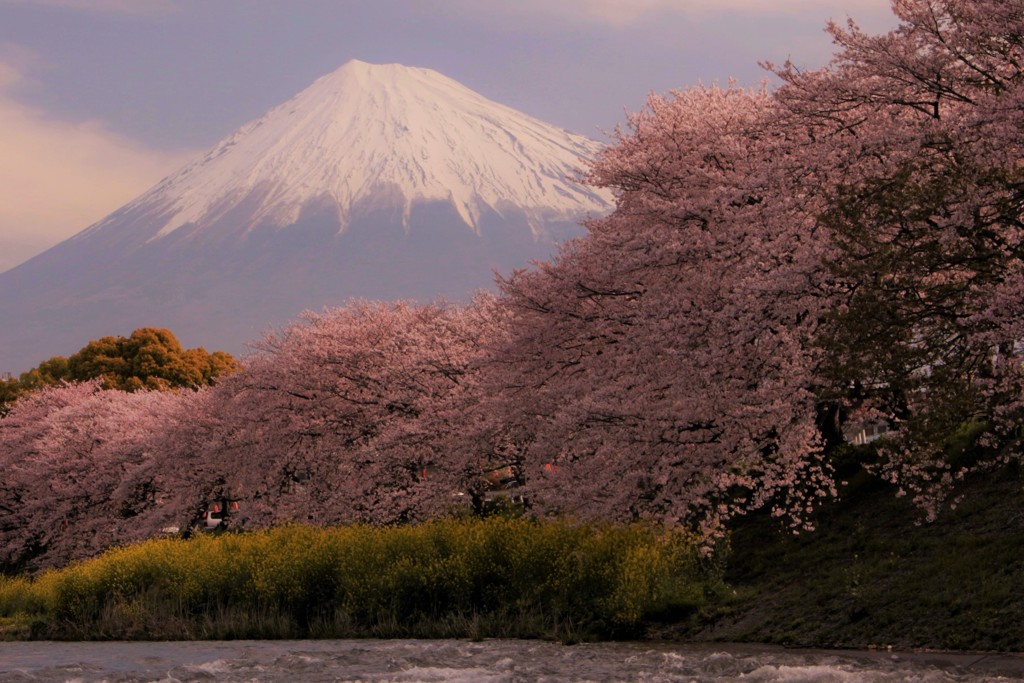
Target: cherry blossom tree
(68, 454)
(341, 417)
(663, 366)
(344, 416)
(851, 241)
(915, 138)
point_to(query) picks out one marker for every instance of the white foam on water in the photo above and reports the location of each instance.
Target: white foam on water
(440, 674)
(499, 661)
(217, 666)
(805, 674)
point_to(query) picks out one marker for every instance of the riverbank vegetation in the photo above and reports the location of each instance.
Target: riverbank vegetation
(870, 575)
(466, 578)
(875, 574)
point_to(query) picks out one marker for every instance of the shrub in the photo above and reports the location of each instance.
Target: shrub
(451, 577)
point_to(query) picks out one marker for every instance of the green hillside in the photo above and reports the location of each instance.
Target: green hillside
(873, 575)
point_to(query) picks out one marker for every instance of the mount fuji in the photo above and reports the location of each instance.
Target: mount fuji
(377, 181)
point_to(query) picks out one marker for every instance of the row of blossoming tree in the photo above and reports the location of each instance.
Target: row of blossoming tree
(846, 247)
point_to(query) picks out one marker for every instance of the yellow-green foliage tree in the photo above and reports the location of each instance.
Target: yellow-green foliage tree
(151, 358)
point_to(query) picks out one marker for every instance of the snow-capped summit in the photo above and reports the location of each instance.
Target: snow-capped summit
(376, 181)
(367, 131)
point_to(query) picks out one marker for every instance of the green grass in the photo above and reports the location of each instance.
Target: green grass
(475, 578)
(873, 575)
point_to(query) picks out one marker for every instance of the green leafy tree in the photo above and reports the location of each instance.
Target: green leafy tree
(150, 358)
(10, 389)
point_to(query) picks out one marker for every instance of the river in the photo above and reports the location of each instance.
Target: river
(492, 661)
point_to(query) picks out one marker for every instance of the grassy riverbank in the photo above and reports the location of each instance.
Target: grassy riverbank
(468, 578)
(870, 575)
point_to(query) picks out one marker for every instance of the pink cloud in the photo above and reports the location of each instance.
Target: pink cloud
(58, 177)
(625, 12)
(121, 6)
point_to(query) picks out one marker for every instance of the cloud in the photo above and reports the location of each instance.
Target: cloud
(619, 13)
(116, 6)
(58, 177)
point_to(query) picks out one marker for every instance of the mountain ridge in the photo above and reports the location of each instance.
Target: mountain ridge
(385, 127)
(324, 198)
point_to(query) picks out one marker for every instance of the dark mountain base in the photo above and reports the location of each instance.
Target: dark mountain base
(871, 577)
(222, 290)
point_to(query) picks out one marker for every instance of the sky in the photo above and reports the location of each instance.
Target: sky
(100, 99)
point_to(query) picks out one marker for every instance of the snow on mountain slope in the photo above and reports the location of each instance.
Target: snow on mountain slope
(377, 182)
(367, 130)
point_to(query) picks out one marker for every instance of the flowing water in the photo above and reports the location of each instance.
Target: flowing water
(490, 661)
